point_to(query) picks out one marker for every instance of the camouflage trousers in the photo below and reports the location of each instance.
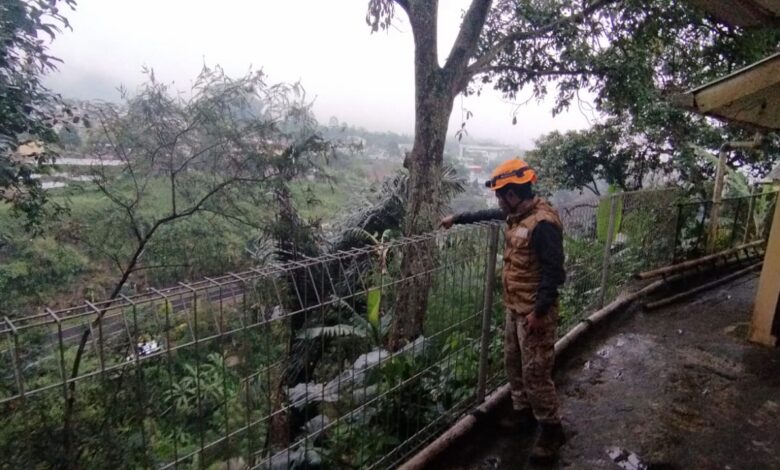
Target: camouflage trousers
(529, 360)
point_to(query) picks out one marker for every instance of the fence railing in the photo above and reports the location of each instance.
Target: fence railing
(742, 219)
(285, 366)
(607, 240)
(279, 367)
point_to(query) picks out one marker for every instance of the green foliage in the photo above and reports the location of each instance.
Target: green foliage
(647, 51)
(203, 245)
(38, 269)
(374, 297)
(373, 327)
(28, 110)
(458, 368)
(199, 388)
(741, 219)
(385, 212)
(69, 138)
(356, 444)
(581, 291)
(195, 174)
(735, 183)
(603, 215)
(568, 161)
(150, 412)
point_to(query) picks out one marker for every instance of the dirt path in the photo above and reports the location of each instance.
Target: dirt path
(676, 388)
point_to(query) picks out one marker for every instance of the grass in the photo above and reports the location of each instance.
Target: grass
(207, 243)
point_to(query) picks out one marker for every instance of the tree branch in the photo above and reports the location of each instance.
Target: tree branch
(131, 267)
(119, 151)
(404, 4)
(198, 205)
(127, 207)
(595, 188)
(97, 247)
(466, 42)
(423, 19)
(236, 219)
(535, 72)
(516, 36)
(159, 266)
(197, 154)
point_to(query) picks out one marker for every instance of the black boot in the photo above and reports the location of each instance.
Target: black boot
(550, 440)
(520, 420)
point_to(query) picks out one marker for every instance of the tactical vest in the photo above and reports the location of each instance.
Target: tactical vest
(521, 266)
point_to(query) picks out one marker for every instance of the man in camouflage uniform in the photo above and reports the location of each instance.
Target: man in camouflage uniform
(533, 271)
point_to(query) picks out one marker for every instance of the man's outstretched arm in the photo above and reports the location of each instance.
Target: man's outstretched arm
(472, 217)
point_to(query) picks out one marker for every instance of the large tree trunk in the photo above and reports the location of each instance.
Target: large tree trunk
(434, 97)
(422, 209)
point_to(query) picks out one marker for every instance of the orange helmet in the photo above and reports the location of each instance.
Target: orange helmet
(511, 171)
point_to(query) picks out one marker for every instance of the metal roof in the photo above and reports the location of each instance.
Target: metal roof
(743, 13)
(749, 96)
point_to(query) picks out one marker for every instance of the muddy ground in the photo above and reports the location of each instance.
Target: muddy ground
(675, 388)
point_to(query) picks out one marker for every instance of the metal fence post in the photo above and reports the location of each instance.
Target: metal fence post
(677, 232)
(487, 311)
(774, 200)
(717, 196)
(749, 218)
(735, 223)
(613, 203)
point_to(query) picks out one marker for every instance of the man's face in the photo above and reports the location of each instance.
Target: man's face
(507, 201)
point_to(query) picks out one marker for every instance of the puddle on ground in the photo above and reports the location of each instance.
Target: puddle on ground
(605, 352)
(627, 342)
(625, 459)
(737, 330)
(631, 461)
(490, 463)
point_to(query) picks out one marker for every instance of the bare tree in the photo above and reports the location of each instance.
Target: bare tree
(163, 157)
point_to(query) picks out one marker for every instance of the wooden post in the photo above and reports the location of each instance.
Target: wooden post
(767, 301)
(717, 195)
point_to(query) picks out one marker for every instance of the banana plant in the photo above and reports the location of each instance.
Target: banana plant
(380, 243)
(736, 184)
(372, 325)
(207, 380)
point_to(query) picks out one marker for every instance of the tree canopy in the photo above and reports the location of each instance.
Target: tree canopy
(629, 54)
(668, 49)
(29, 112)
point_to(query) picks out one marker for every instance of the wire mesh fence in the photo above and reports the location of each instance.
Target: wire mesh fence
(741, 220)
(283, 367)
(607, 240)
(287, 366)
(584, 254)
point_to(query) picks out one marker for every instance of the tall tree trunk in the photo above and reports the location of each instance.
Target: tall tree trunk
(422, 208)
(434, 98)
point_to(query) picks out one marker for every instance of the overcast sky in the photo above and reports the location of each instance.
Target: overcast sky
(361, 78)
